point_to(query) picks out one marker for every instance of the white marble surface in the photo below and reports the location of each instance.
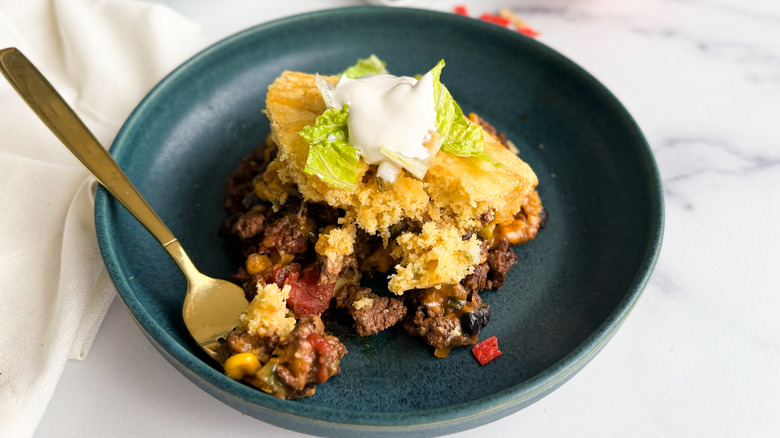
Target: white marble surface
(700, 354)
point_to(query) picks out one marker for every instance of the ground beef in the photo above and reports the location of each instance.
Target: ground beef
(441, 324)
(370, 254)
(491, 274)
(332, 268)
(323, 214)
(371, 313)
(500, 259)
(247, 282)
(377, 314)
(478, 280)
(438, 331)
(365, 244)
(239, 185)
(243, 342)
(288, 234)
(249, 224)
(308, 356)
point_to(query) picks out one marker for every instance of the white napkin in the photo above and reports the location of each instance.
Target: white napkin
(103, 56)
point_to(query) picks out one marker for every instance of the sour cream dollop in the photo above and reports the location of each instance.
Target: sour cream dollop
(395, 112)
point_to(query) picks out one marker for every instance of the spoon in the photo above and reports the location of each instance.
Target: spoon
(211, 307)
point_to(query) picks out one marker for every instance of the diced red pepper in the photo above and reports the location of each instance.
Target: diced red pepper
(486, 350)
(307, 297)
(495, 19)
(527, 31)
(461, 10)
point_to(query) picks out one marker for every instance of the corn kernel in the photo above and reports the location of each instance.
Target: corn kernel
(441, 353)
(257, 263)
(239, 365)
(282, 258)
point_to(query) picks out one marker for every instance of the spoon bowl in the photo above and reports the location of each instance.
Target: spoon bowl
(211, 307)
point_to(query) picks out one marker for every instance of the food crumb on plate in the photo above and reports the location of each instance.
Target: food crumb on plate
(505, 18)
(486, 350)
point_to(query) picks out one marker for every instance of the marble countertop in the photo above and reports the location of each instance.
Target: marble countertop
(699, 355)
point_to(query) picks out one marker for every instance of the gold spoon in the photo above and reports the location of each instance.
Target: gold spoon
(211, 307)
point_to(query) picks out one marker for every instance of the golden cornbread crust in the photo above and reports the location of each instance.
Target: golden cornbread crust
(455, 199)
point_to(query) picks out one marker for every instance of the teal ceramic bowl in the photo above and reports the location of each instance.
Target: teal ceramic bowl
(571, 290)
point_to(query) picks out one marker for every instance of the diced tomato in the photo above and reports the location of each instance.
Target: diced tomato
(318, 343)
(495, 19)
(307, 297)
(486, 350)
(461, 10)
(321, 347)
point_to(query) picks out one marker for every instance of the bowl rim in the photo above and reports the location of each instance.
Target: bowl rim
(517, 396)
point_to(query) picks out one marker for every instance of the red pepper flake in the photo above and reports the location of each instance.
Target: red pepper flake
(495, 19)
(527, 31)
(461, 10)
(519, 24)
(486, 350)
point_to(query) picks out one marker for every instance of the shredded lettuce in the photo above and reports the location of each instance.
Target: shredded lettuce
(331, 157)
(366, 66)
(325, 88)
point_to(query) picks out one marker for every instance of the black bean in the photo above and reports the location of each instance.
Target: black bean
(543, 215)
(469, 323)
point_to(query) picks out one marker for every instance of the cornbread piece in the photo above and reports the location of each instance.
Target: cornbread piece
(267, 314)
(435, 256)
(334, 247)
(467, 188)
(457, 196)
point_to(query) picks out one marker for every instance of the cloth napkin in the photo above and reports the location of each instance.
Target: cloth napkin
(103, 56)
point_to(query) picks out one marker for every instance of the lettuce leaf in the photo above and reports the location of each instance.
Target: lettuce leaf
(331, 157)
(459, 137)
(366, 66)
(466, 140)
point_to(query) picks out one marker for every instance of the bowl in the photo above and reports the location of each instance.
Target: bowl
(573, 286)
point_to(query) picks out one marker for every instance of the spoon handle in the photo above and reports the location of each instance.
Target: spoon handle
(52, 109)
